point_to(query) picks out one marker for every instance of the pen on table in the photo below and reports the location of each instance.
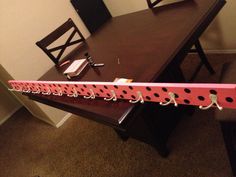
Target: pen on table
(64, 63)
(118, 61)
(98, 64)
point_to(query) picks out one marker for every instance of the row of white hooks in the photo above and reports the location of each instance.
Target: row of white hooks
(113, 97)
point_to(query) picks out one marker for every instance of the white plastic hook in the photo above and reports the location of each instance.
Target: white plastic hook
(113, 96)
(59, 92)
(74, 94)
(15, 90)
(48, 92)
(91, 96)
(36, 92)
(172, 100)
(213, 98)
(140, 98)
(11, 89)
(26, 91)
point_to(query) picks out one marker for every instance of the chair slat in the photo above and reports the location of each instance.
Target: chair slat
(56, 34)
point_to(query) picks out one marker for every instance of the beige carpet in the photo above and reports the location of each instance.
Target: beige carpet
(83, 148)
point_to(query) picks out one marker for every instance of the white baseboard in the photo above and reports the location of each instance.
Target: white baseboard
(9, 114)
(233, 51)
(63, 120)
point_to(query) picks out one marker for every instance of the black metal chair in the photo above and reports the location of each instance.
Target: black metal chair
(94, 13)
(197, 49)
(45, 43)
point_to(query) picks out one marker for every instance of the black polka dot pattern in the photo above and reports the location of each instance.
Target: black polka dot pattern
(148, 89)
(187, 90)
(124, 91)
(148, 98)
(167, 99)
(164, 89)
(213, 92)
(176, 95)
(186, 101)
(229, 99)
(201, 98)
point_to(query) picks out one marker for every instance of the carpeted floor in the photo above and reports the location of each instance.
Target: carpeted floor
(83, 148)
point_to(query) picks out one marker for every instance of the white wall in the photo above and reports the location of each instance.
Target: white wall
(22, 24)
(120, 7)
(221, 34)
(30, 105)
(8, 104)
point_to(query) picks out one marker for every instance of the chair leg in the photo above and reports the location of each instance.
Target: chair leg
(203, 57)
(196, 72)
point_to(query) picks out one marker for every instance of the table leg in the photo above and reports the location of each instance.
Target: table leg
(122, 134)
(203, 57)
(229, 134)
(153, 124)
(160, 122)
(162, 149)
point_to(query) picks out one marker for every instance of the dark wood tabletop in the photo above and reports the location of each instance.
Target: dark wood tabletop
(144, 42)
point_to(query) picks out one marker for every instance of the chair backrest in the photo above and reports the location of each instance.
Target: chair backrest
(45, 43)
(94, 13)
(152, 4)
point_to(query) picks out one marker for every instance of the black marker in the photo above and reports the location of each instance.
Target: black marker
(89, 59)
(91, 62)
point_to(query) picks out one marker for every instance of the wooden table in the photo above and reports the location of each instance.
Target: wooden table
(150, 45)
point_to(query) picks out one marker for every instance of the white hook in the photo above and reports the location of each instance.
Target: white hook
(15, 90)
(59, 92)
(26, 91)
(36, 92)
(140, 98)
(91, 96)
(48, 92)
(213, 98)
(172, 99)
(113, 96)
(74, 94)
(11, 89)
